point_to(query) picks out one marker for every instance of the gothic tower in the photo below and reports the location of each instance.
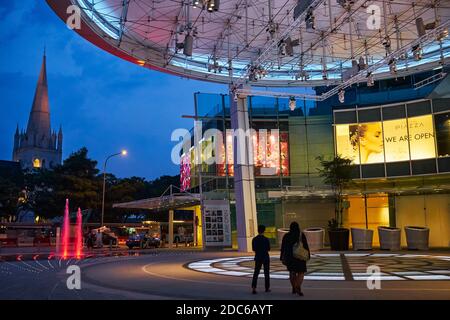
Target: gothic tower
(39, 146)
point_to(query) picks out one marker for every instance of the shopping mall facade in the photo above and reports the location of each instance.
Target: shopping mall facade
(397, 135)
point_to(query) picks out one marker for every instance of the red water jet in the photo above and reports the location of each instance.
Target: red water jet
(65, 232)
(78, 235)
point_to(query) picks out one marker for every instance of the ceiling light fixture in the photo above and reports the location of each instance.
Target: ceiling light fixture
(341, 96)
(370, 80)
(188, 45)
(392, 66)
(292, 103)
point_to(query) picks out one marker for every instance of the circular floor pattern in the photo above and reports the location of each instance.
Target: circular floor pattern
(335, 266)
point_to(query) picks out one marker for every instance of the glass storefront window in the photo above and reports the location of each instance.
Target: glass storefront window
(442, 125)
(421, 137)
(363, 143)
(396, 140)
(270, 153)
(393, 140)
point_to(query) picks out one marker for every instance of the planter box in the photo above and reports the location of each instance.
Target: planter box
(362, 239)
(315, 237)
(280, 234)
(389, 238)
(417, 237)
(339, 239)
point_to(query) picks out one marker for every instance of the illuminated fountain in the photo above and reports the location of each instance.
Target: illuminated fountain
(65, 244)
(65, 232)
(78, 236)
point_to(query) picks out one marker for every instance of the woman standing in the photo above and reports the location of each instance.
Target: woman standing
(295, 266)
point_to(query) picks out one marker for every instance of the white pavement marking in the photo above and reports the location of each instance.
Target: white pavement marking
(390, 278)
(35, 269)
(384, 255)
(357, 254)
(50, 264)
(429, 277)
(41, 265)
(329, 278)
(231, 267)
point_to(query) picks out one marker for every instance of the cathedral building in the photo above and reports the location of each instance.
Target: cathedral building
(39, 146)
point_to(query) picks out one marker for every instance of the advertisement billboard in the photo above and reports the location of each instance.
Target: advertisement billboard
(388, 141)
(217, 223)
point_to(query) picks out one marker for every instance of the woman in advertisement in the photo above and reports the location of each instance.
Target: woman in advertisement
(368, 138)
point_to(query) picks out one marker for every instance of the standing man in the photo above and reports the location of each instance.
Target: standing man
(261, 247)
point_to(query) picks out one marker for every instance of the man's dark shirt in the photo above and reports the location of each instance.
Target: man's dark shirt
(261, 247)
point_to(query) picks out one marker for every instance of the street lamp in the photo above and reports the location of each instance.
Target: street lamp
(121, 153)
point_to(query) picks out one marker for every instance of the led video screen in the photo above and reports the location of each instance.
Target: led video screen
(390, 141)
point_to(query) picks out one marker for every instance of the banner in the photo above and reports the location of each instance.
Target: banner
(390, 141)
(363, 143)
(421, 137)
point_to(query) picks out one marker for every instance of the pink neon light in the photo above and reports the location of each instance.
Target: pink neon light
(78, 236)
(65, 231)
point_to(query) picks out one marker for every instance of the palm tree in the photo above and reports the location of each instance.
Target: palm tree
(337, 173)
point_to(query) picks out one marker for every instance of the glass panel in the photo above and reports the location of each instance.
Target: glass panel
(344, 146)
(396, 140)
(421, 137)
(442, 125)
(365, 138)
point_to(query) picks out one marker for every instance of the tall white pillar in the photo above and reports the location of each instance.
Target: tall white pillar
(170, 228)
(244, 181)
(194, 226)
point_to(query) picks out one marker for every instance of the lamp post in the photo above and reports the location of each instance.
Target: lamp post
(122, 153)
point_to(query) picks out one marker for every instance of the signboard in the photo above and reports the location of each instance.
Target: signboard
(216, 223)
(394, 140)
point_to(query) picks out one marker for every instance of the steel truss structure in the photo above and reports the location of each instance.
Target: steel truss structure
(273, 43)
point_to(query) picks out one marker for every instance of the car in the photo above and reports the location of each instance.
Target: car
(108, 237)
(142, 241)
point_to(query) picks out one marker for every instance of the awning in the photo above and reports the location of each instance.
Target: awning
(169, 202)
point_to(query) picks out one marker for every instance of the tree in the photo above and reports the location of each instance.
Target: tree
(75, 179)
(9, 194)
(78, 164)
(11, 184)
(337, 173)
(158, 186)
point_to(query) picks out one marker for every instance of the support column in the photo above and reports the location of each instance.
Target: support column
(244, 182)
(170, 228)
(194, 226)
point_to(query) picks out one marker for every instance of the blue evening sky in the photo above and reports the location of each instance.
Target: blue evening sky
(101, 102)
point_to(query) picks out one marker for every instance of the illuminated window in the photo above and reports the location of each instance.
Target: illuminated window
(36, 163)
(421, 137)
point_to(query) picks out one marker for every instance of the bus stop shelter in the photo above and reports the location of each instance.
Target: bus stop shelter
(170, 203)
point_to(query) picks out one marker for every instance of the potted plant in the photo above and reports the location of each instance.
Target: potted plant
(315, 236)
(337, 173)
(389, 238)
(280, 234)
(417, 237)
(338, 236)
(362, 239)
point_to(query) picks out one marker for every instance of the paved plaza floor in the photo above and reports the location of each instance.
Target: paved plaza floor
(193, 274)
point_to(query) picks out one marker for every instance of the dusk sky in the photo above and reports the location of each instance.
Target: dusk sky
(102, 102)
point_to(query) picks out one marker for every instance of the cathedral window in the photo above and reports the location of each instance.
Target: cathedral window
(36, 163)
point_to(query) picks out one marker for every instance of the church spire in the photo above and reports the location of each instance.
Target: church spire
(39, 120)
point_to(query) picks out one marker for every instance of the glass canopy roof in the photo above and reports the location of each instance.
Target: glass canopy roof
(275, 42)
